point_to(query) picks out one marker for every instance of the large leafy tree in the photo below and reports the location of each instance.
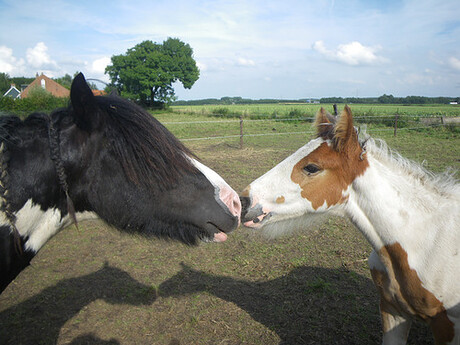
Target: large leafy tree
(147, 71)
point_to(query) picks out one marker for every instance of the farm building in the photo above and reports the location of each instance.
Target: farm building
(99, 92)
(48, 84)
(13, 92)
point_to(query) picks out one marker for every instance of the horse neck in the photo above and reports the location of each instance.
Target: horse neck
(34, 193)
(390, 204)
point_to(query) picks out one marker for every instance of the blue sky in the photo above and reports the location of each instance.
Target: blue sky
(253, 49)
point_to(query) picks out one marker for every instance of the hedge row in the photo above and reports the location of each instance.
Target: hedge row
(23, 107)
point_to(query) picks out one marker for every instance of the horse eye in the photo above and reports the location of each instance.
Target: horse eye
(311, 169)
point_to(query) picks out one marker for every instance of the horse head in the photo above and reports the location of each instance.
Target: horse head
(310, 182)
(103, 157)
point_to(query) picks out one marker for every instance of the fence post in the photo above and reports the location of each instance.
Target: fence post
(241, 132)
(396, 123)
(335, 109)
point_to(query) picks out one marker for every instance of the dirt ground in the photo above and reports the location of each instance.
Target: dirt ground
(96, 285)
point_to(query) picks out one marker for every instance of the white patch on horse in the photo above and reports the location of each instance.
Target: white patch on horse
(224, 194)
(294, 204)
(39, 226)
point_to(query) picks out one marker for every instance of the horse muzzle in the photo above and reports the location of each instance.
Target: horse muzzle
(253, 215)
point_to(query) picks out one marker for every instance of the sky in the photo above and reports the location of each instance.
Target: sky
(253, 49)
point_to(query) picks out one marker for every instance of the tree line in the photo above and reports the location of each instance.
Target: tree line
(390, 99)
(6, 81)
(236, 100)
(384, 99)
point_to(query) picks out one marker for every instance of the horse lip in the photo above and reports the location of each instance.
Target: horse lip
(212, 229)
(258, 221)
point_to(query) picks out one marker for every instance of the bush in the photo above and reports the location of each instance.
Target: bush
(39, 100)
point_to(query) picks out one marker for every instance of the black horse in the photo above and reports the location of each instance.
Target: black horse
(102, 157)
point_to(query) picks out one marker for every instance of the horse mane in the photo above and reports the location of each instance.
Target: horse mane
(147, 151)
(444, 183)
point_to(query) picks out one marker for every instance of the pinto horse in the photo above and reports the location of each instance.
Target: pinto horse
(410, 217)
(102, 157)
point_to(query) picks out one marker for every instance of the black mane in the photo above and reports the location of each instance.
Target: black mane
(148, 152)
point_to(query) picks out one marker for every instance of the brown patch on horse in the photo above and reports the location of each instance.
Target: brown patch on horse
(402, 291)
(246, 191)
(280, 200)
(340, 163)
(388, 305)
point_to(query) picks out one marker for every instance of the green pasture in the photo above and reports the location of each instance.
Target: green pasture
(287, 135)
(309, 110)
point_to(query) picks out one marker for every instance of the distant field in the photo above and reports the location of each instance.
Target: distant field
(294, 109)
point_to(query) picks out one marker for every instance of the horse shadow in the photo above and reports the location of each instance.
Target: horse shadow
(310, 305)
(39, 319)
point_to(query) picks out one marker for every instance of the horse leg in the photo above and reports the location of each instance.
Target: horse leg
(394, 324)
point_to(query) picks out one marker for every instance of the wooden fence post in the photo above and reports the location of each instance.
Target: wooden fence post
(241, 132)
(335, 109)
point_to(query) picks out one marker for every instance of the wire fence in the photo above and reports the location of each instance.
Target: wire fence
(394, 123)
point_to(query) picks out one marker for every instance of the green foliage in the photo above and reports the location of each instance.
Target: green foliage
(18, 81)
(4, 83)
(65, 81)
(38, 100)
(390, 99)
(147, 71)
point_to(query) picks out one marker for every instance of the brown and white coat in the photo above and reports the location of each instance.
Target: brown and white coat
(410, 217)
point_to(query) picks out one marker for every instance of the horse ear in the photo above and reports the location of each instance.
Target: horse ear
(344, 132)
(323, 123)
(83, 103)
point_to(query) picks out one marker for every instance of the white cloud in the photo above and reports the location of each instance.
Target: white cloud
(245, 62)
(454, 63)
(98, 66)
(39, 58)
(8, 63)
(353, 53)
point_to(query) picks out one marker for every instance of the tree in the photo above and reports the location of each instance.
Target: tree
(386, 99)
(147, 71)
(4, 83)
(65, 81)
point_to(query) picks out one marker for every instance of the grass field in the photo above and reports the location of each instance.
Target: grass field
(303, 109)
(96, 285)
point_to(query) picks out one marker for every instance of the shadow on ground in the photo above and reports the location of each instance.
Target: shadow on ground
(39, 319)
(310, 305)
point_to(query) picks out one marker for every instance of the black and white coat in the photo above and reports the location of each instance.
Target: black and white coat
(102, 157)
